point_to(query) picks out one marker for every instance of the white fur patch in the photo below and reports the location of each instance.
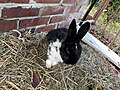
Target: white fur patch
(53, 54)
(78, 27)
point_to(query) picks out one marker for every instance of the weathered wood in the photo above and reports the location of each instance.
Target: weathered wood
(100, 9)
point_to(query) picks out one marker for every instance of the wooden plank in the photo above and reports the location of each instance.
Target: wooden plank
(99, 46)
(100, 9)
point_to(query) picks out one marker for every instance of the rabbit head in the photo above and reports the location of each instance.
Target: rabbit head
(70, 49)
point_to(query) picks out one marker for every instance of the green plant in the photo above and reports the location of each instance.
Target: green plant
(113, 10)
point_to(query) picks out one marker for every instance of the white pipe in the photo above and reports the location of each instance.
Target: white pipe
(99, 46)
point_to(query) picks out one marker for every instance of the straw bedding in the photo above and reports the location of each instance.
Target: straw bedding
(22, 67)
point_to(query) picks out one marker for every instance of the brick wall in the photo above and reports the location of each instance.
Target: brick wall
(39, 14)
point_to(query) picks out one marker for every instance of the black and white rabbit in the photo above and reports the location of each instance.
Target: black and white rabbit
(64, 45)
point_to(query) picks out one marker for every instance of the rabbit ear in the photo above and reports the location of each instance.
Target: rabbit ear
(82, 31)
(71, 31)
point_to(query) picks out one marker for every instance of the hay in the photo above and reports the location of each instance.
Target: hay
(19, 59)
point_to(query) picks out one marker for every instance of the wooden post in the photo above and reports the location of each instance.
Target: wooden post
(100, 9)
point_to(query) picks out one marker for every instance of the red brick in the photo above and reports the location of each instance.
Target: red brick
(19, 12)
(47, 1)
(69, 1)
(63, 24)
(56, 19)
(79, 1)
(67, 9)
(74, 9)
(33, 22)
(14, 1)
(53, 10)
(78, 8)
(3, 1)
(66, 16)
(8, 25)
(46, 28)
(18, 1)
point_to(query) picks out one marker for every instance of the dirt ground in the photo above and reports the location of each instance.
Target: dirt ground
(22, 67)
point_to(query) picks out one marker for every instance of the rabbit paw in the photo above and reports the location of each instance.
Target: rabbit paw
(50, 63)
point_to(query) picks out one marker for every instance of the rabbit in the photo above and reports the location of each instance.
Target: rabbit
(63, 45)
